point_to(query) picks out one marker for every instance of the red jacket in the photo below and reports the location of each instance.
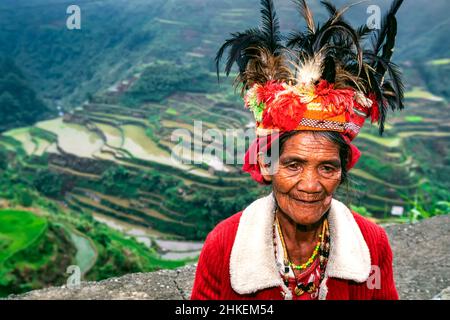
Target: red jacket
(230, 266)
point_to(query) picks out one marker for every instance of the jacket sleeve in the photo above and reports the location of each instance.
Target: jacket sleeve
(208, 277)
(387, 290)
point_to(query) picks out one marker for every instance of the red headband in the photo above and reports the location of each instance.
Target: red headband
(262, 144)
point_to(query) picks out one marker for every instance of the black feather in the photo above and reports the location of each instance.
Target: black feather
(329, 70)
(296, 40)
(380, 34)
(305, 12)
(331, 8)
(389, 44)
(375, 88)
(397, 86)
(338, 28)
(242, 45)
(363, 31)
(395, 77)
(270, 26)
(237, 45)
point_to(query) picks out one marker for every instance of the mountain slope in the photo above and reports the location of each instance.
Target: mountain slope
(118, 37)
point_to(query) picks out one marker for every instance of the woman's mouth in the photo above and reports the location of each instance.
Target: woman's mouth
(308, 202)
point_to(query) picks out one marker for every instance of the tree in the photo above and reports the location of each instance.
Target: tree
(24, 197)
(3, 159)
(48, 183)
(19, 105)
(118, 181)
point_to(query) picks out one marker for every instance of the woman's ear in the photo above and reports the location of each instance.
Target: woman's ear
(264, 165)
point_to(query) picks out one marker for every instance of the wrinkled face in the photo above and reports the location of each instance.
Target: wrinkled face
(308, 174)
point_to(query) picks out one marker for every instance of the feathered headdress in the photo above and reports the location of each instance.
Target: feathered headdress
(324, 78)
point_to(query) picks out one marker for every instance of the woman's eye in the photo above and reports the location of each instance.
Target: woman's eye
(293, 166)
(328, 170)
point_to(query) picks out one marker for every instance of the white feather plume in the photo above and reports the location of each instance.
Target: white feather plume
(310, 70)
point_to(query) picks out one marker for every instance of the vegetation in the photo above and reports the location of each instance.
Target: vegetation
(19, 105)
(35, 251)
(420, 93)
(414, 119)
(361, 210)
(436, 77)
(439, 62)
(19, 229)
(48, 183)
(161, 79)
(37, 248)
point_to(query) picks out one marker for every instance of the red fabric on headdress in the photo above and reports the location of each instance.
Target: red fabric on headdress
(354, 153)
(262, 144)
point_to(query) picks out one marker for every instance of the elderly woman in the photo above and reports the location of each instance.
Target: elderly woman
(299, 242)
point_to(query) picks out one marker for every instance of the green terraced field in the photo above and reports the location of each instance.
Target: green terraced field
(73, 172)
(423, 134)
(383, 141)
(42, 146)
(30, 143)
(97, 207)
(76, 139)
(141, 146)
(420, 93)
(414, 119)
(23, 136)
(131, 229)
(368, 177)
(73, 138)
(114, 136)
(18, 230)
(151, 259)
(439, 62)
(126, 204)
(117, 118)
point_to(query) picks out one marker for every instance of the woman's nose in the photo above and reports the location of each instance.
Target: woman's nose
(309, 181)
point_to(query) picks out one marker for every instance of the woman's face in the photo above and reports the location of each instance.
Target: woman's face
(309, 172)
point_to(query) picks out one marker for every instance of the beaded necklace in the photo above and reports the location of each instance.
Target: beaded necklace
(322, 247)
(286, 255)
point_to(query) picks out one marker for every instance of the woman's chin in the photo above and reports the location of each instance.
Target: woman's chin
(307, 213)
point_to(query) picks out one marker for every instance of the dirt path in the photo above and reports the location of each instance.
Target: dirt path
(421, 257)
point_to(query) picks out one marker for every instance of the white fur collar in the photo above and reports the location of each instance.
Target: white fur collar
(253, 265)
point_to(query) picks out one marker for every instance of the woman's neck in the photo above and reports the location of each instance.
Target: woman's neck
(298, 233)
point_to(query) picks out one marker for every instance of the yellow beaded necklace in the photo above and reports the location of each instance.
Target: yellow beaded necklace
(310, 287)
(305, 265)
